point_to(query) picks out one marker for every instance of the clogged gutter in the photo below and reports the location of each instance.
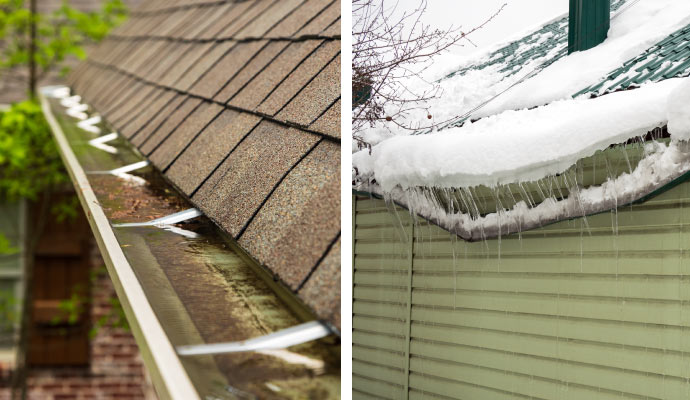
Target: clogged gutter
(186, 285)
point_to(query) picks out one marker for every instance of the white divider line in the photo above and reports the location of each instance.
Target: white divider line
(89, 125)
(99, 143)
(167, 220)
(273, 341)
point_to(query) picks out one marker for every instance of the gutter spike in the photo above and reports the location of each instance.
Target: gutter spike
(89, 124)
(70, 101)
(128, 168)
(273, 341)
(77, 111)
(99, 143)
(164, 221)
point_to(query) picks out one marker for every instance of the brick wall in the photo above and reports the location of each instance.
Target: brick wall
(116, 370)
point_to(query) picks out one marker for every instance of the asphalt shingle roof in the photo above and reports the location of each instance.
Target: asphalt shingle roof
(238, 103)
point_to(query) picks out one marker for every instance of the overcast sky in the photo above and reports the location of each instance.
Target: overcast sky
(517, 16)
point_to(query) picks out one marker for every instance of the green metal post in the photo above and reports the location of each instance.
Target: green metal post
(589, 22)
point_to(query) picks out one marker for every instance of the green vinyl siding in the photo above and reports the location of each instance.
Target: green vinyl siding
(561, 312)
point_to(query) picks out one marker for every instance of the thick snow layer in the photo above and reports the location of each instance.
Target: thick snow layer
(523, 145)
(663, 164)
(632, 31)
(679, 111)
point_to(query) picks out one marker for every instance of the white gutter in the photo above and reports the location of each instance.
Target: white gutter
(169, 377)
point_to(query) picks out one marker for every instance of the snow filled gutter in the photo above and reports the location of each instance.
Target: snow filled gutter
(169, 377)
(523, 145)
(528, 146)
(662, 170)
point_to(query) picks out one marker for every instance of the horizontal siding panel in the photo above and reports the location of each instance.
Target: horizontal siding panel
(526, 386)
(382, 278)
(562, 312)
(364, 263)
(367, 204)
(609, 244)
(372, 387)
(370, 219)
(381, 294)
(385, 342)
(389, 358)
(607, 355)
(420, 395)
(379, 373)
(483, 362)
(459, 390)
(666, 313)
(379, 325)
(393, 248)
(659, 337)
(641, 287)
(373, 309)
(359, 395)
(644, 263)
(390, 232)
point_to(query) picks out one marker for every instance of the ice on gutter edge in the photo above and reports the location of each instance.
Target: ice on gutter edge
(664, 165)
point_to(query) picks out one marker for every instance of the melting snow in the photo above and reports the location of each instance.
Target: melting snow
(632, 32)
(663, 164)
(678, 111)
(525, 145)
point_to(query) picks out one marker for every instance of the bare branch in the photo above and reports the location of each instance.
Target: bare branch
(389, 48)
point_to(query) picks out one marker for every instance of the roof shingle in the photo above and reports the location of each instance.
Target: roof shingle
(238, 104)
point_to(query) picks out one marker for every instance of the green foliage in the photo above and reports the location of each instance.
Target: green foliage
(115, 318)
(66, 209)
(8, 310)
(5, 247)
(70, 309)
(29, 161)
(60, 34)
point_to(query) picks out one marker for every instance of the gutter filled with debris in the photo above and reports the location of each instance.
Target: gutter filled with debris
(209, 322)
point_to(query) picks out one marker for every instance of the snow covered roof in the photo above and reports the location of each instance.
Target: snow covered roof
(667, 59)
(526, 111)
(548, 43)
